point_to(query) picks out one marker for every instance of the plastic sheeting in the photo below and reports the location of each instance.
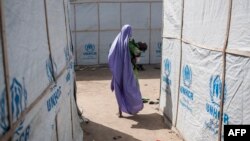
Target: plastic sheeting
(169, 81)
(240, 23)
(172, 13)
(87, 51)
(21, 25)
(49, 120)
(193, 66)
(98, 23)
(208, 20)
(199, 94)
(40, 86)
(105, 44)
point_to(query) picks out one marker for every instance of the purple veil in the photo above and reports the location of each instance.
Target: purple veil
(124, 83)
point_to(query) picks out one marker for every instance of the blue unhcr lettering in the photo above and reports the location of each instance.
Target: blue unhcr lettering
(187, 93)
(89, 53)
(22, 134)
(215, 113)
(52, 101)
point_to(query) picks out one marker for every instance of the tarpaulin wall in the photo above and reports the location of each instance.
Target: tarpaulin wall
(205, 66)
(36, 72)
(97, 22)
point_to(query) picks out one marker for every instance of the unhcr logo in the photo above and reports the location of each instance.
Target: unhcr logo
(187, 76)
(89, 49)
(18, 98)
(167, 71)
(215, 89)
(213, 107)
(167, 65)
(187, 81)
(158, 49)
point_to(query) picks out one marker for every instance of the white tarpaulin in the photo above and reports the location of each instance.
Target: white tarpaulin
(98, 22)
(199, 64)
(39, 72)
(240, 23)
(169, 81)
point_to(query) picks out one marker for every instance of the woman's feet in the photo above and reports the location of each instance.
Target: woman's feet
(120, 113)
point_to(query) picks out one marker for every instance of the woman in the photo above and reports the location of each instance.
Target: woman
(124, 82)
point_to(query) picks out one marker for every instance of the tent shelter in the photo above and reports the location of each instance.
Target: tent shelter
(37, 72)
(205, 66)
(97, 22)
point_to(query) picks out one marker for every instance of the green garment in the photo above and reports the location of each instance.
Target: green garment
(134, 53)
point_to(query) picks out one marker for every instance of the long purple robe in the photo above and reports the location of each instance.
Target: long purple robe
(124, 83)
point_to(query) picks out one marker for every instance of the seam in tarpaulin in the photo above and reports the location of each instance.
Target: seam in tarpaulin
(238, 52)
(224, 68)
(66, 28)
(162, 15)
(196, 45)
(179, 80)
(244, 53)
(48, 39)
(99, 30)
(56, 122)
(75, 33)
(79, 2)
(70, 35)
(96, 30)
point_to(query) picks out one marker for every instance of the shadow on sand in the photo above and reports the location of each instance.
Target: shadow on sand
(97, 132)
(152, 121)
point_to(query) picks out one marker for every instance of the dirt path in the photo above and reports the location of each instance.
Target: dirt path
(99, 105)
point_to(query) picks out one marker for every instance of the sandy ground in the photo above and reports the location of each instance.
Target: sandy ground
(99, 105)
